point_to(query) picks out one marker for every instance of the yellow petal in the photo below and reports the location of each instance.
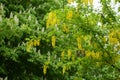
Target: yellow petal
(69, 53)
(91, 2)
(69, 15)
(62, 54)
(53, 41)
(70, 1)
(64, 69)
(45, 69)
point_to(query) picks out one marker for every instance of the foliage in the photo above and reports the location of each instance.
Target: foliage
(40, 40)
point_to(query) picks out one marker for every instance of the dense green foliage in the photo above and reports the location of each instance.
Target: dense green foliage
(50, 40)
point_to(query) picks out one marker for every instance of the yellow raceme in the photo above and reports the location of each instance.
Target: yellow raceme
(73, 58)
(93, 55)
(91, 2)
(87, 53)
(29, 45)
(78, 39)
(113, 37)
(79, 43)
(38, 42)
(32, 43)
(86, 2)
(62, 54)
(97, 55)
(65, 28)
(28, 48)
(113, 40)
(52, 19)
(64, 69)
(69, 15)
(69, 53)
(53, 41)
(35, 43)
(79, 46)
(45, 69)
(70, 1)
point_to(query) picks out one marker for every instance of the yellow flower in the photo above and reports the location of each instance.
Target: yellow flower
(51, 15)
(93, 55)
(65, 29)
(34, 42)
(91, 2)
(114, 37)
(62, 54)
(79, 46)
(79, 42)
(45, 69)
(73, 58)
(53, 41)
(52, 19)
(88, 54)
(28, 48)
(69, 15)
(37, 42)
(29, 45)
(113, 40)
(70, 1)
(78, 39)
(64, 69)
(111, 34)
(97, 54)
(69, 53)
(30, 42)
(85, 2)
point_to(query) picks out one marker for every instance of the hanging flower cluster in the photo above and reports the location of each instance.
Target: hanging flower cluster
(65, 28)
(86, 2)
(53, 41)
(73, 57)
(52, 19)
(69, 15)
(45, 69)
(62, 54)
(79, 43)
(94, 55)
(69, 53)
(64, 69)
(70, 1)
(114, 37)
(31, 44)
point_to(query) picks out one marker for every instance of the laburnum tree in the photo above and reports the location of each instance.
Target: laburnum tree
(59, 40)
